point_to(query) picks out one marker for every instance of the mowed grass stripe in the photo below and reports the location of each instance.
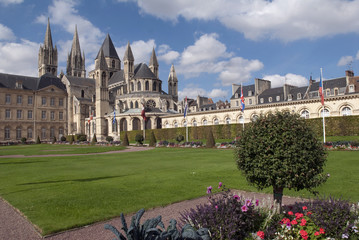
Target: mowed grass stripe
(59, 193)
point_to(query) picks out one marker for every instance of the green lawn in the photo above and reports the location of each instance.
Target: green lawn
(47, 149)
(59, 193)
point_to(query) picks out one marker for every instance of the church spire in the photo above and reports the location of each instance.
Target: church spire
(128, 54)
(101, 63)
(154, 63)
(76, 62)
(173, 83)
(48, 37)
(47, 61)
(76, 43)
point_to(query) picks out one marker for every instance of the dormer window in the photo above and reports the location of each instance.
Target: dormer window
(289, 97)
(18, 85)
(351, 88)
(270, 99)
(299, 96)
(261, 100)
(278, 98)
(236, 95)
(249, 93)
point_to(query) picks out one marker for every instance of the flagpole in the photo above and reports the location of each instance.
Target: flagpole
(186, 130)
(144, 130)
(321, 78)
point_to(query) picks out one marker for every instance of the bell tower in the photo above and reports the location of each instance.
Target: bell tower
(173, 84)
(47, 55)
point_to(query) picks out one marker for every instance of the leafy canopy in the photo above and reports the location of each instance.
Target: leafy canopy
(280, 150)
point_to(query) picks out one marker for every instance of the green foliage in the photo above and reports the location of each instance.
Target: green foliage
(210, 140)
(125, 140)
(63, 139)
(94, 139)
(23, 140)
(139, 139)
(53, 140)
(38, 140)
(149, 230)
(281, 150)
(109, 139)
(179, 138)
(71, 139)
(81, 137)
(153, 140)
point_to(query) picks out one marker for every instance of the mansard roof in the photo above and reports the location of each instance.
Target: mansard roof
(294, 92)
(108, 48)
(30, 83)
(143, 71)
(246, 89)
(332, 83)
(79, 81)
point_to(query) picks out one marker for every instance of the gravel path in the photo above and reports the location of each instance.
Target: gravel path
(14, 226)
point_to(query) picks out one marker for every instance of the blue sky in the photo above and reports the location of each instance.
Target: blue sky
(212, 43)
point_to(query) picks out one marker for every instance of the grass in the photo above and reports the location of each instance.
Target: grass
(50, 149)
(59, 193)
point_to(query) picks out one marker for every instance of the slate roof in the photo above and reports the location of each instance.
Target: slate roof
(246, 89)
(294, 92)
(117, 77)
(143, 71)
(332, 83)
(79, 81)
(108, 48)
(30, 83)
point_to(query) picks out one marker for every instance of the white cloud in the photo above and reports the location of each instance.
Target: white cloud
(6, 33)
(262, 19)
(192, 91)
(19, 58)
(345, 60)
(164, 53)
(290, 78)
(141, 50)
(7, 2)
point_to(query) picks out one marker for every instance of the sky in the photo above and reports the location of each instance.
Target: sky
(212, 43)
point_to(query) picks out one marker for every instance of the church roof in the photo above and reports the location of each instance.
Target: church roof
(143, 71)
(79, 81)
(108, 48)
(153, 60)
(48, 79)
(101, 62)
(117, 77)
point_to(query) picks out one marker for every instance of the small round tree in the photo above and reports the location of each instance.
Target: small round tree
(152, 140)
(139, 139)
(210, 139)
(125, 140)
(279, 150)
(179, 138)
(109, 139)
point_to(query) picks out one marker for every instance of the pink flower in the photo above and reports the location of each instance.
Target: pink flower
(209, 189)
(290, 213)
(257, 202)
(219, 184)
(260, 234)
(316, 233)
(237, 197)
(305, 208)
(244, 208)
(303, 234)
(249, 202)
(216, 207)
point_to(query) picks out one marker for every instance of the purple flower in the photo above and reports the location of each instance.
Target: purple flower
(237, 197)
(216, 207)
(257, 202)
(244, 208)
(289, 225)
(248, 202)
(209, 189)
(219, 184)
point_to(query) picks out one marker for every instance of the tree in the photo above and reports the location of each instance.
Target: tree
(281, 151)
(139, 139)
(109, 139)
(125, 140)
(179, 138)
(53, 140)
(38, 140)
(210, 139)
(72, 139)
(152, 140)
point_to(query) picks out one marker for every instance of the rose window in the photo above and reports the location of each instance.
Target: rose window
(151, 104)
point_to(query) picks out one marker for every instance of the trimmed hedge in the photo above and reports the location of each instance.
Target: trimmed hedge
(334, 126)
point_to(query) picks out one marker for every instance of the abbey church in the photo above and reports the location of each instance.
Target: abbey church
(109, 100)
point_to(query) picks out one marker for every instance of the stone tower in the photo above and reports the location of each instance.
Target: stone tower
(102, 96)
(128, 65)
(154, 63)
(47, 55)
(76, 62)
(173, 84)
(112, 60)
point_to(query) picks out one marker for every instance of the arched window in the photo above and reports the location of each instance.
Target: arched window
(139, 86)
(132, 86)
(254, 118)
(194, 123)
(175, 124)
(114, 125)
(204, 122)
(147, 86)
(131, 104)
(346, 111)
(136, 104)
(154, 86)
(185, 123)
(113, 64)
(215, 121)
(304, 114)
(103, 79)
(241, 119)
(82, 93)
(326, 113)
(228, 120)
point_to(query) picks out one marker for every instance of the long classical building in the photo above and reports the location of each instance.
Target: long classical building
(341, 98)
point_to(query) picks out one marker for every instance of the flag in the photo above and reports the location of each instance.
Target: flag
(242, 100)
(185, 108)
(143, 113)
(321, 87)
(114, 117)
(91, 117)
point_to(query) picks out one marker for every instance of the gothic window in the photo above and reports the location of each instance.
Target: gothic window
(132, 86)
(346, 111)
(29, 133)
(82, 93)
(304, 114)
(154, 86)
(113, 64)
(147, 86)
(136, 104)
(131, 104)
(7, 133)
(18, 133)
(139, 86)
(215, 121)
(103, 79)
(151, 103)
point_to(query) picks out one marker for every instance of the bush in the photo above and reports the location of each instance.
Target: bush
(53, 140)
(94, 139)
(38, 140)
(226, 216)
(152, 140)
(71, 139)
(210, 140)
(109, 139)
(139, 139)
(279, 150)
(63, 139)
(125, 140)
(82, 138)
(23, 140)
(179, 138)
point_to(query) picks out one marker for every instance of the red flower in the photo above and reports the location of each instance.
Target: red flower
(309, 213)
(290, 213)
(294, 222)
(305, 208)
(303, 234)
(321, 230)
(260, 234)
(299, 215)
(285, 220)
(303, 222)
(316, 233)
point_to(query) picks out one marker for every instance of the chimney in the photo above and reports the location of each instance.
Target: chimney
(349, 73)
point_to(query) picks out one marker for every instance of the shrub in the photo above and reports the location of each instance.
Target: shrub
(179, 138)
(152, 140)
(23, 140)
(53, 140)
(210, 139)
(71, 139)
(109, 139)
(82, 138)
(279, 150)
(125, 140)
(38, 140)
(226, 216)
(354, 144)
(139, 139)
(63, 139)
(94, 139)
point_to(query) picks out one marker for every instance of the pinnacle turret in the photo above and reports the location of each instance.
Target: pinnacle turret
(128, 53)
(153, 60)
(48, 37)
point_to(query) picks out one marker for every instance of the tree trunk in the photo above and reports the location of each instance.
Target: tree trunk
(278, 195)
